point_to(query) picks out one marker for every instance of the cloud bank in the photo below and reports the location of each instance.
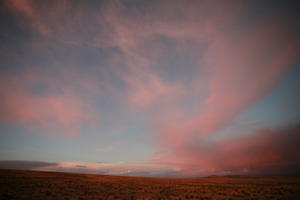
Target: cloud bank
(24, 165)
(263, 152)
(121, 169)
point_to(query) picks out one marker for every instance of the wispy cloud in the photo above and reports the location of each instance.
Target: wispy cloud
(187, 70)
(105, 149)
(41, 103)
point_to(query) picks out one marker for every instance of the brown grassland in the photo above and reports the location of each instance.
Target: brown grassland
(17, 184)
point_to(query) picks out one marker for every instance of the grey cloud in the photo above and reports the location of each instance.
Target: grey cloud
(25, 165)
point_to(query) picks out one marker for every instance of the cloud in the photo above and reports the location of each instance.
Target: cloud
(242, 68)
(190, 68)
(24, 165)
(124, 169)
(239, 77)
(53, 107)
(78, 24)
(262, 152)
(105, 149)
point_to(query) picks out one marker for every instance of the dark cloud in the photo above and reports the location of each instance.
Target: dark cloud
(264, 152)
(25, 165)
(79, 169)
(81, 166)
(162, 174)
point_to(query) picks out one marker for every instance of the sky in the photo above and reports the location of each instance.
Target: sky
(163, 88)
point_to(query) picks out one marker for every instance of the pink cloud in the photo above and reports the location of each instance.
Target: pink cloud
(146, 89)
(112, 28)
(119, 168)
(262, 152)
(242, 74)
(105, 149)
(64, 111)
(236, 69)
(242, 70)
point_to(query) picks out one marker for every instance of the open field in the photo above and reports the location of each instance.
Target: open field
(16, 184)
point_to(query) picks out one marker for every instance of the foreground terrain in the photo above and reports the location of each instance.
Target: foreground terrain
(16, 184)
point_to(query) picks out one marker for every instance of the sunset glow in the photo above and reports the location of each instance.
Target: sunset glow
(167, 88)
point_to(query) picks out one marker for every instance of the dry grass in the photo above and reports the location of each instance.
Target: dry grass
(15, 184)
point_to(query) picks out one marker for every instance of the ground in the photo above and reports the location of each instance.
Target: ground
(17, 184)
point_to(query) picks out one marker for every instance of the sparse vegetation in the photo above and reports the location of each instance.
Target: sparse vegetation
(15, 184)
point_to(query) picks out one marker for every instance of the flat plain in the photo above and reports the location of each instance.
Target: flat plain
(18, 184)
